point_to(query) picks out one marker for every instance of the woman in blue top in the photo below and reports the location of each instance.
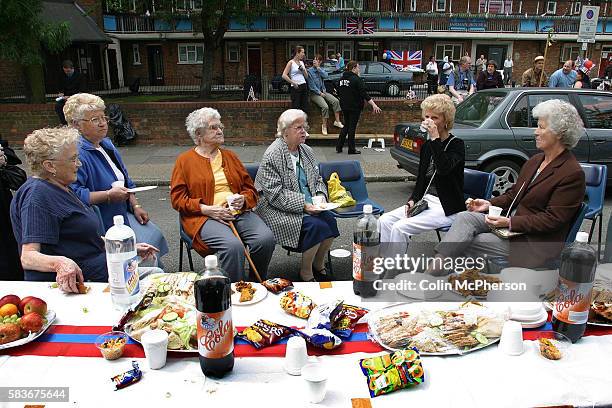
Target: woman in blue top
(57, 234)
(101, 167)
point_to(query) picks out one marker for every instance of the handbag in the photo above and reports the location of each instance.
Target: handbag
(12, 176)
(337, 193)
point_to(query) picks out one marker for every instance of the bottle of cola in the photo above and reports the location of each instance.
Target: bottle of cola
(366, 244)
(215, 329)
(576, 275)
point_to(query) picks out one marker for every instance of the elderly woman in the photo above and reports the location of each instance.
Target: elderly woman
(541, 205)
(57, 234)
(439, 181)
(103, 179)
(289, 177)
(202, 180)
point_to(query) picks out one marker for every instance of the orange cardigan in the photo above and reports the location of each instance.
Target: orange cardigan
(193, 183)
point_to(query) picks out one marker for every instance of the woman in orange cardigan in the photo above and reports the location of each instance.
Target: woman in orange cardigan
(202, 180)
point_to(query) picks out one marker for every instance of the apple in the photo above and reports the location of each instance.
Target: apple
(23, 303)
(32, 322)
(12, 299)
(9, 332)
(35, 305)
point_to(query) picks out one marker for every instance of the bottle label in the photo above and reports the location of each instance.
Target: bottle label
(573, 303)
(123, 275)
(363, 262)
(215, 334)
(357, 253)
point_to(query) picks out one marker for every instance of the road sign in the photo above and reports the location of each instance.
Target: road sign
(588, 24)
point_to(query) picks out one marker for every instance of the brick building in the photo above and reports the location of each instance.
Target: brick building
(147, 47)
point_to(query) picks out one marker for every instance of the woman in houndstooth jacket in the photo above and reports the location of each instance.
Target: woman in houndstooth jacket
(288, 178)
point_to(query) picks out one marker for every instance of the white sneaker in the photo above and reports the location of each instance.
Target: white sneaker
(338, 124)
(324, 129)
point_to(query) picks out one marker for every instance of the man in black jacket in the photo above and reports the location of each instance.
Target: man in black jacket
(72, 82)
(351, 90)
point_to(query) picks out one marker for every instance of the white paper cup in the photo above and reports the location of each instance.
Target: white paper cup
(295, 355)
(511, 341)
(155, 345)
(315, 380)
(494, 211)
(318, 200)
(117, 183)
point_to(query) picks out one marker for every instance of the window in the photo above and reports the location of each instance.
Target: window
(577, 6)
(347, 51)
(309, 49)
(478, 107)
(551, 7)
(413, 5)
(495, 6)
(452, 51)
(521, 114)
(377, 69)
(188, 4)
(349, 4)
(135, 54)
(190, 53)
(598, 110)
(440, 5)
(233, 52)
(569, 51)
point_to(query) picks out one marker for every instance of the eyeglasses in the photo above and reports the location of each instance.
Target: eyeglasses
(97, 120)
(74, 160)
(305, 128)
(220, 127)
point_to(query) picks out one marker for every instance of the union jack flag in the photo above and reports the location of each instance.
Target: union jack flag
(360, 25)
(402, 59)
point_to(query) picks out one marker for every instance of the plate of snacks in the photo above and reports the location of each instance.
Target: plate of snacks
(111, 344)
(471, 277)
(23, 320)
(436, 329)
(247, 293)
(553, 346)
(179, 285)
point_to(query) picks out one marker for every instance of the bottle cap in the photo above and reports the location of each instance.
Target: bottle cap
(118, 220)
(210, 261)
(582, 236)
(367, 209)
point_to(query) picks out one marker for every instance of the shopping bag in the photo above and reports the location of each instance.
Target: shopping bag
(337, 193)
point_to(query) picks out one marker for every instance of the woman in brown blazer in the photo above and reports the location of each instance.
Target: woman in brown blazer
(202, 180)
(540, 206)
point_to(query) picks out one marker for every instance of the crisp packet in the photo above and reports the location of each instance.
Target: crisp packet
(392, 372)
(264, 333)
(128, 378)
(277, 285)
(297, 304)
(320, 338)
(323, 315)
(346, 320)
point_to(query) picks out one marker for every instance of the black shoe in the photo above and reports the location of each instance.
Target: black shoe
(338, 150)
(322, 275)
(354, 152)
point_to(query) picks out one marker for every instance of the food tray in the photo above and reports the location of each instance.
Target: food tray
(50, 316)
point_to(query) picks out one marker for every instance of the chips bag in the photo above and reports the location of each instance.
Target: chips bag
(323, 315)
(320, 338)
(277, 285)
(264, 333)
(346, 320)
(392, 372)
(297, 304)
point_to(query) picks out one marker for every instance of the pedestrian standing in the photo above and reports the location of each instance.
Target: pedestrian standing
(508, 64)
(481, 64)
(319, 95)
(340, 61)
(71, 82)
(489, 78)
(352, 95)
(535, 77)
(295, 73)
(432, 75)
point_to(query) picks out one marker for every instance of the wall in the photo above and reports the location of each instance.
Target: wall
(164, 123)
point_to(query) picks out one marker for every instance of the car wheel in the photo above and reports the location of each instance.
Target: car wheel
(393, 89)
(506, 174)
(284, 88)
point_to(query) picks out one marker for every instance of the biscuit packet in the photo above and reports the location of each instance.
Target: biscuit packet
(264, 333)
(393, 371)
(297, 304)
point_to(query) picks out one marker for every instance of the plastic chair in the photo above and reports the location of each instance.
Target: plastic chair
(252, 169)
(352, 178)
(188, 242)
(476, 184)
(596, 176)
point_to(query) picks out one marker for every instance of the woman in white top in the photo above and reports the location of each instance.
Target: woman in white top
(295, 73)
(432, 75)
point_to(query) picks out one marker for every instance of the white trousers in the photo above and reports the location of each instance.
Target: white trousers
(395, 227)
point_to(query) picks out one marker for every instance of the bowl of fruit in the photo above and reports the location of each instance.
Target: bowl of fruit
(22, 320)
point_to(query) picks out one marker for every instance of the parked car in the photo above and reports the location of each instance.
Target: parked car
(378, 77)
(280, 85)
(497, 128)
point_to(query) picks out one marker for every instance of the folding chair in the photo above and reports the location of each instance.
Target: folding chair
(596, 176)
(188, 242)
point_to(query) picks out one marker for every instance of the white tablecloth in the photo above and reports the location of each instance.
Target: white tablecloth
(486, 378)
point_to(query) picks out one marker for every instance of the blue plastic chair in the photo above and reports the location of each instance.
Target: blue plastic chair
(596, 176)
(252, 169)
(188, 243)
(352, 178)
(476, 184)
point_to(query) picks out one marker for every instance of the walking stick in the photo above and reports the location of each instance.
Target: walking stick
(246, 252)
(548, 44)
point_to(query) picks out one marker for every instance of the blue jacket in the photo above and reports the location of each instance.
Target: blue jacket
(315, 80)
(95, 174)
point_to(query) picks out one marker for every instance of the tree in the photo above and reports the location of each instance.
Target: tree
(22, 38)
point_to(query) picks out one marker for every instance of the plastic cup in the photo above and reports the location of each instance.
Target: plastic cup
(155, 344)
(494, 211)
(316, 382)
(295, 355)
(511, 341)
(318, 200)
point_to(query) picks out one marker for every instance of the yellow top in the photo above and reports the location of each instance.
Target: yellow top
(222, 189)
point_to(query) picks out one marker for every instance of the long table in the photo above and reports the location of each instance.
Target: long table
(486, 378)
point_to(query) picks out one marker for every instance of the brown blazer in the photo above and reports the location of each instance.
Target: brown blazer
(545, 207)
(193, 184)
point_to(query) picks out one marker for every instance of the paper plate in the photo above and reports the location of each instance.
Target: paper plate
(139, 189)
(327, 206)
(260, 293)
(340, 253)
(50, 316)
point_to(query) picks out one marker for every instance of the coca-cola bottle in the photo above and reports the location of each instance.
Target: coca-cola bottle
(576, 275)
(366, 244)
(212, 293)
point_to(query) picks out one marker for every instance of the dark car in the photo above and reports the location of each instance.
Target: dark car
(378, 77)
(497, 128)
(279, 84)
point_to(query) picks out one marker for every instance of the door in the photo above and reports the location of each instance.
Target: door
(254, 60)
(598, 122)
(156, 65)
(112, 68)
(496, 53)
(367, 51)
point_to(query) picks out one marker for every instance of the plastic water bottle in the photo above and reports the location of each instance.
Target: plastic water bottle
(122, 264)
(576, 275)
(366, 244)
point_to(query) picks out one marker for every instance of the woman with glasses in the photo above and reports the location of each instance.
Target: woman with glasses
(204, 181)
(102, 178)
(58, 235)
(289, 178)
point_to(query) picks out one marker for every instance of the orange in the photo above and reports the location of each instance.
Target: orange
(8, 310)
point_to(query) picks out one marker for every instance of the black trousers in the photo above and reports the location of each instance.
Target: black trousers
(299, 97)
(59, 109)
(432, 84)
(351, 118)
